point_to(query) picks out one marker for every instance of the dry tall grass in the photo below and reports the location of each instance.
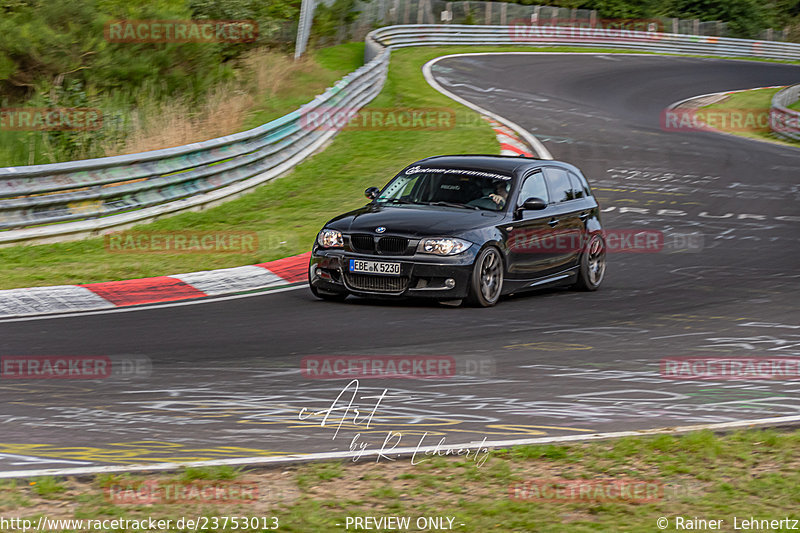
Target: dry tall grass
(155, 125)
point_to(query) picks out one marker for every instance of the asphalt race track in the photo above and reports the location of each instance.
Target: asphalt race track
(225, 378)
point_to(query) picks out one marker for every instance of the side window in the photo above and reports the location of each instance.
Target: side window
(533, 187)
(579, 182)
(559, 185)
(577, 188)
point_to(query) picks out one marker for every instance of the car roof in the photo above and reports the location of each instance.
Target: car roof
(504, 163)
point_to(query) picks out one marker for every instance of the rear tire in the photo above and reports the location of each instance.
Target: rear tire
(486, 282)
(593, 264)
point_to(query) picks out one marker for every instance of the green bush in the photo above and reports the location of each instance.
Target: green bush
(55, 54)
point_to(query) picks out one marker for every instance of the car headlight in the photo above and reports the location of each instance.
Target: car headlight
(443, 246)
(330, 238)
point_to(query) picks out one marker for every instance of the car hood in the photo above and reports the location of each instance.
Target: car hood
(412, 221)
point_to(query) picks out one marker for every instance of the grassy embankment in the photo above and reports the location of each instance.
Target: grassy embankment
(749, 474)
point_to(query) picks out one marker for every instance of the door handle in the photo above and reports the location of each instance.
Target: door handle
(553, 222)
(584, 216)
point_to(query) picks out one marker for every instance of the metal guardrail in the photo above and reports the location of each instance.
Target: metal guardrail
(784, 121)
(51, 202)
(85, 197)
(438, 35)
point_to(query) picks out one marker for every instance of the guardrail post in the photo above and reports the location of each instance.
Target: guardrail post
(304, 27)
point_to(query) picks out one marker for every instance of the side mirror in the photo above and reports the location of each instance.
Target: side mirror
(372, 192)
(534, 204)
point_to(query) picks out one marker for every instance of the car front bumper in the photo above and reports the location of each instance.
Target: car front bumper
(421, 275)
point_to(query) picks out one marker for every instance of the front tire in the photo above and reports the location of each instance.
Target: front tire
(593, 264)
(486, 283)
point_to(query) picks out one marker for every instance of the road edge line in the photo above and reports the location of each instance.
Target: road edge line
(397, 452)
(537, 145)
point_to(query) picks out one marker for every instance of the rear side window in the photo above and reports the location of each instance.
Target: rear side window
(579, 182)
(559, 185)
(533, 187)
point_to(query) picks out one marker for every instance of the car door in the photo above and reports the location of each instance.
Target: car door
(527, 257)
(565, 212)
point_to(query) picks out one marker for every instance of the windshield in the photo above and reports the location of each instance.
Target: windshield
(469, 189)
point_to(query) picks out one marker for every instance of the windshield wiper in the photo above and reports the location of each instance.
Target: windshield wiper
(451, 204)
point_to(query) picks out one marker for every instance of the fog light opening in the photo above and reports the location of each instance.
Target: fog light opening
(449, 283)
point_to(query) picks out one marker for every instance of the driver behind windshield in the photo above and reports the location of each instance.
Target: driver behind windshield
(500, 194)
(494, 196)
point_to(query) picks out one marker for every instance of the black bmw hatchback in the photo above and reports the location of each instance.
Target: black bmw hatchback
(471, 227)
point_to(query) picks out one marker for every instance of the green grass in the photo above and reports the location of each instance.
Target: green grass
(285, 213)
(47, 486)
(214, 473)
(331, 64)
(754, 103)
(745, 474)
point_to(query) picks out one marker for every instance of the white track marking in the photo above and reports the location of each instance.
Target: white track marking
(536, 144)
(396, 452)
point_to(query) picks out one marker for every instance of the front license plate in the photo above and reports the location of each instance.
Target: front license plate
(375, 267)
